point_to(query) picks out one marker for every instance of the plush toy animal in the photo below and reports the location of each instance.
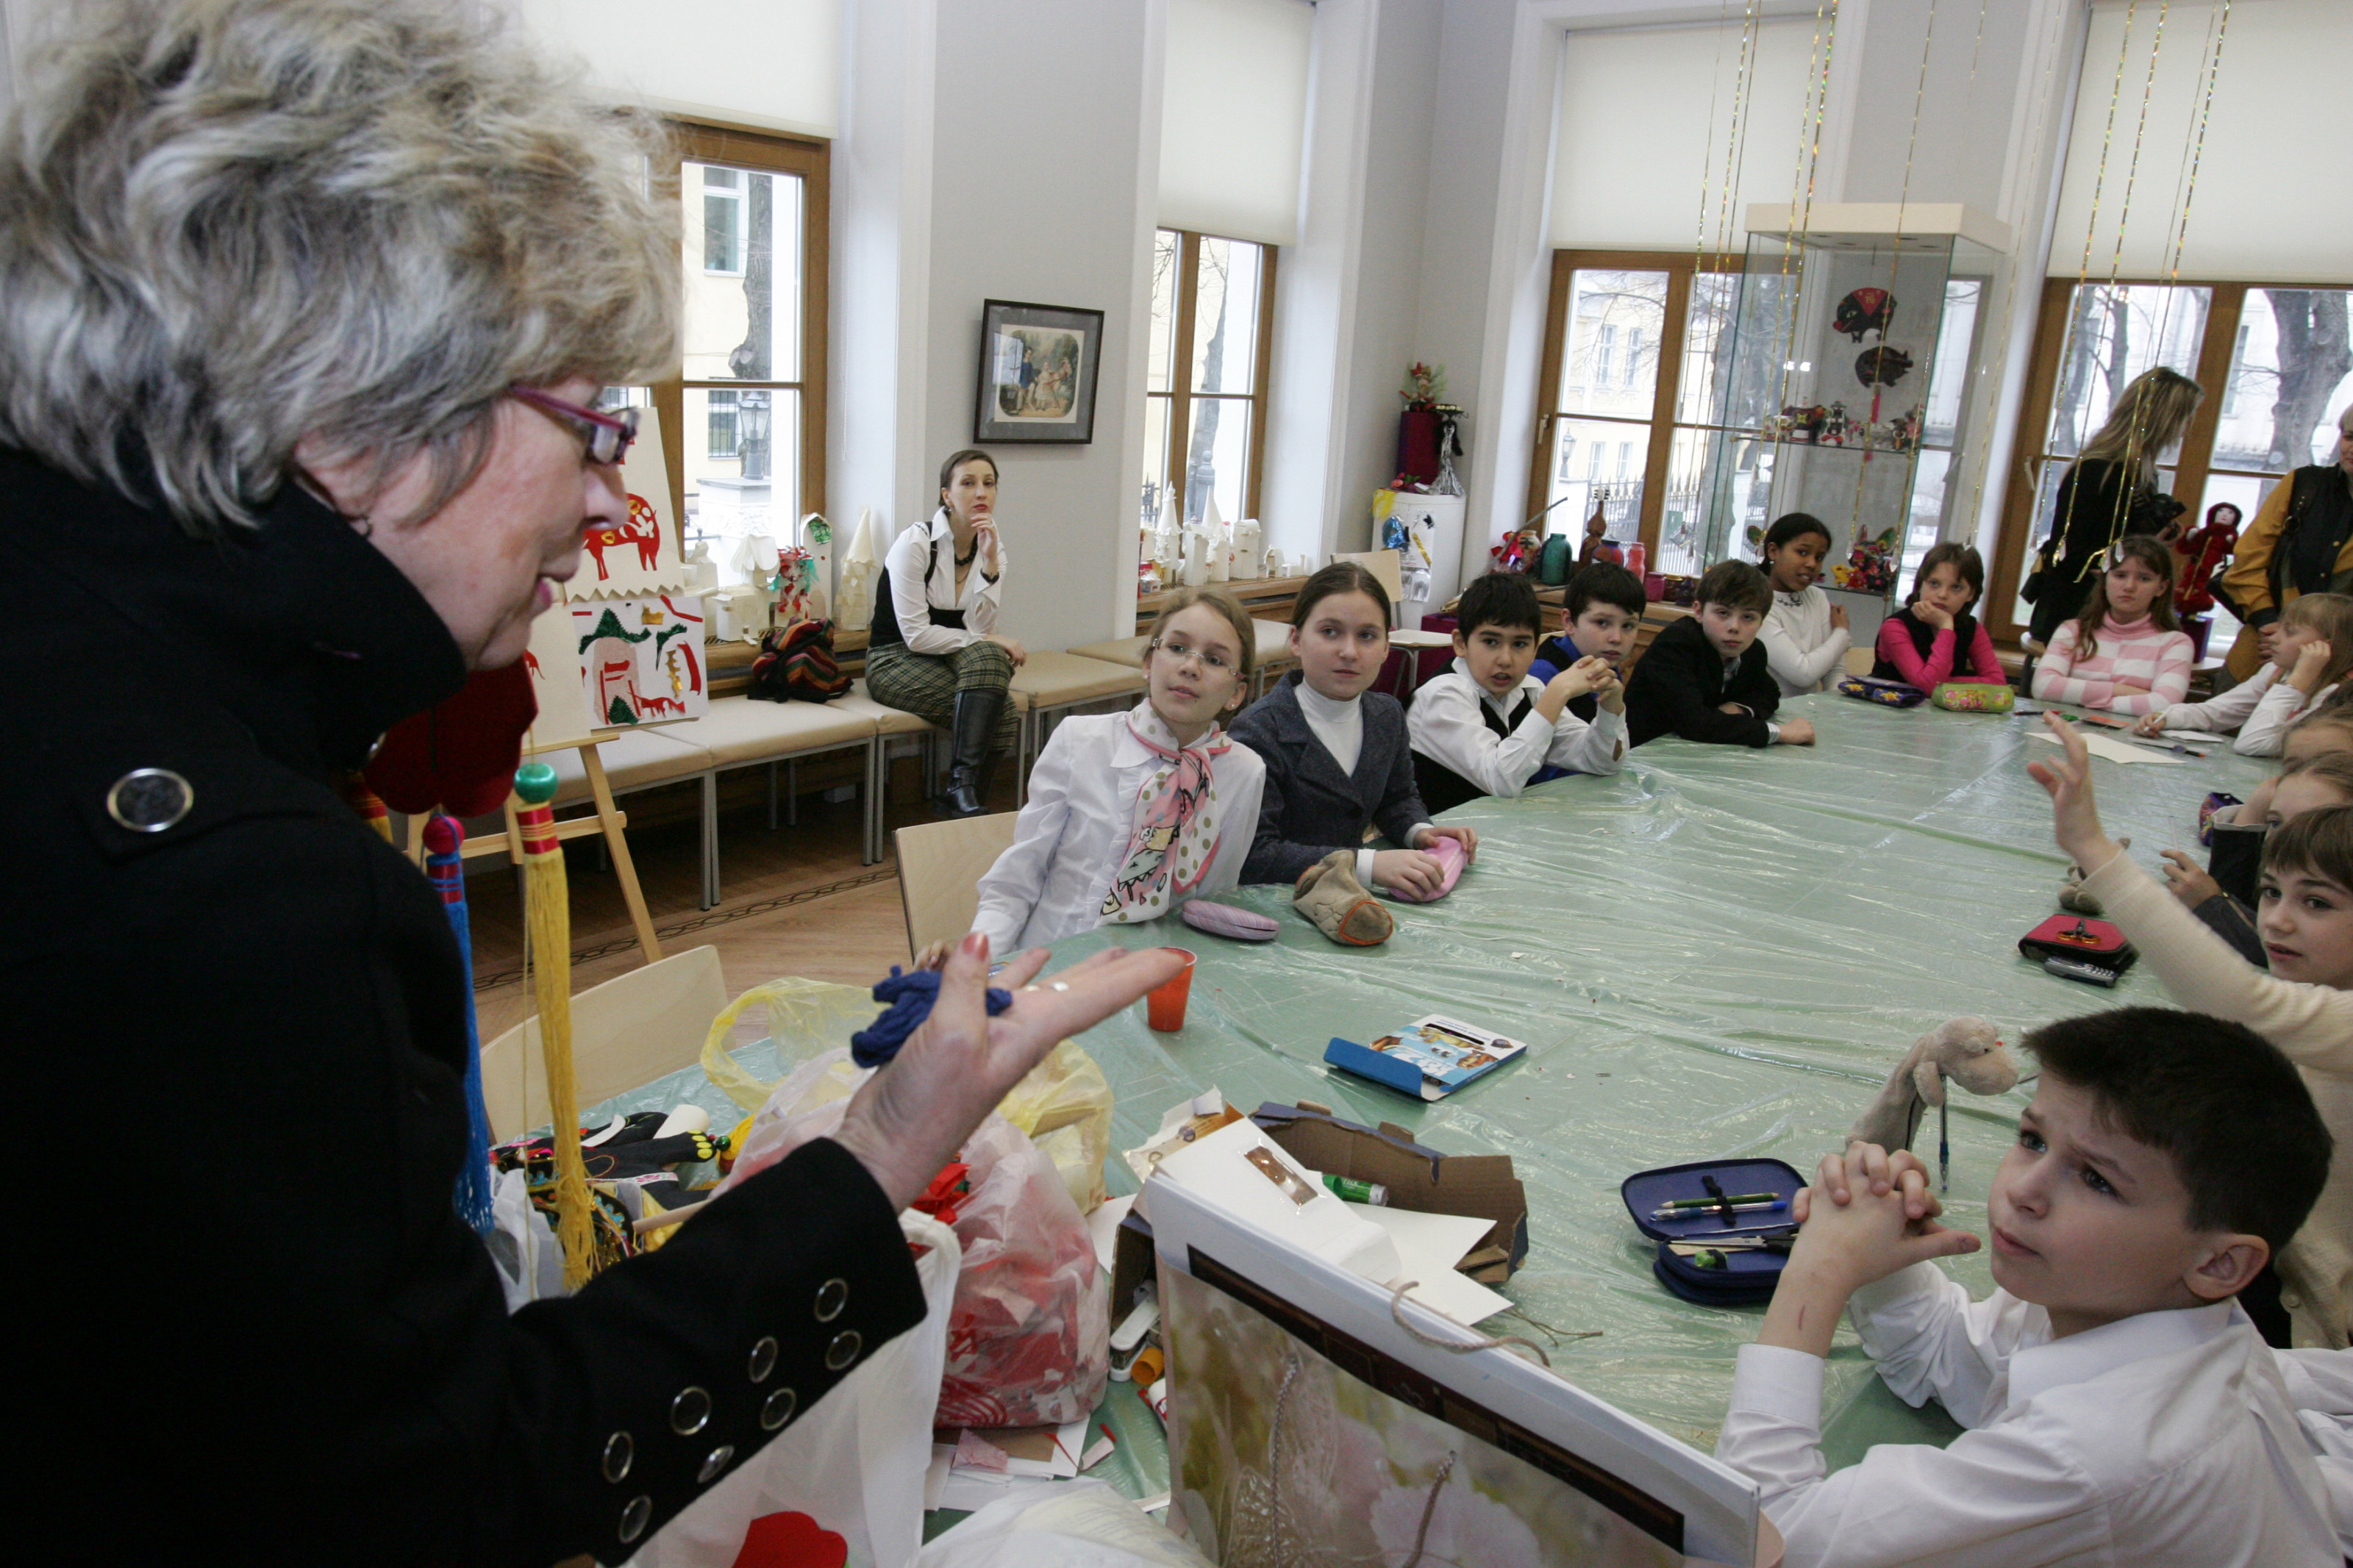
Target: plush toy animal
(1966, 1050)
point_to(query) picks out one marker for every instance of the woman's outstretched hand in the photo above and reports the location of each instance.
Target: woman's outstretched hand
(910, 1117)
(2075, 815)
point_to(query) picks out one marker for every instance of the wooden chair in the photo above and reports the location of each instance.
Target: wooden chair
(1859, 660)
(940, 867)
(1383, 566)
(625, 1032)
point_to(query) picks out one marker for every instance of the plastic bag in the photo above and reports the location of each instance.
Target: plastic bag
(844, 1484)
(1030, 1334)
(1064, 1105)
(1077, 1525)
(806, 1019)
(1030, 1342)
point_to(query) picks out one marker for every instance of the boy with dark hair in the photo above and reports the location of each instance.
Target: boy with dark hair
(1487, 726)
(1605, 604)
(1706, 677)
(2121, 1408)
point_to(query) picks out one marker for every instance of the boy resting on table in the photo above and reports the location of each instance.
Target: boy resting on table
(1706, 677)
(2122, 1409)
(1487, 726)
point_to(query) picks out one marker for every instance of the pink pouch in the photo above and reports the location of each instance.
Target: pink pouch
(1224, 919)
(1451, 859)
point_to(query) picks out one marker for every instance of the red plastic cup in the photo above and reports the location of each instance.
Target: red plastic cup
(1164, 1009)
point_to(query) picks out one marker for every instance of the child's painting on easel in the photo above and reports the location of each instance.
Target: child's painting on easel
(642, 554)
(641, 659)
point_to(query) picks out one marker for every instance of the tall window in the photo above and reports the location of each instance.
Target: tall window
(1629, 366)
(2277, 364)
(1636, 345)
(746, 408)
(1204, 406)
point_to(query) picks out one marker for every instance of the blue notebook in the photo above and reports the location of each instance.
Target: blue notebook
(1428, 1058)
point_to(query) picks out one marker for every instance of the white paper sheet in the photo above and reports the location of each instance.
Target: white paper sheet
(1103, 1226)
(1430, 1244)
(2116, 751)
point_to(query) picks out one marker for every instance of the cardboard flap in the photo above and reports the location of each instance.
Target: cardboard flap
(1418, 1177)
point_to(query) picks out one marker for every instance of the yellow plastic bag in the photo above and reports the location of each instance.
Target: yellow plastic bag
(1064, 1105)
(806, 1019)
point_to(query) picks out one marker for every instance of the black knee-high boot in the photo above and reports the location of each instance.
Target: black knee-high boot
(972, 728)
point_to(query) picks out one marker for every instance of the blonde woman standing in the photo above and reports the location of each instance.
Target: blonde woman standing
(2109, 490)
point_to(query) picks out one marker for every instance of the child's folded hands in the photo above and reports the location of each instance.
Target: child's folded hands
(1881, 1217)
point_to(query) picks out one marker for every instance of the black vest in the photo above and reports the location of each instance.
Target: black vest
(1443, 789)
(1924, 639)
(884, 629)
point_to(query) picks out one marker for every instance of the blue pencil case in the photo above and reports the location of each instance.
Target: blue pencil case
(1733, 1275)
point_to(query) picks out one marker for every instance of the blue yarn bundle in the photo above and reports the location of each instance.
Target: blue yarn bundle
(443, 865)
(908, 999)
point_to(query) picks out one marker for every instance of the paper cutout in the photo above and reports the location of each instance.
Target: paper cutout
(640, 659)
(854, 599)
(552, 659)
(640, 555)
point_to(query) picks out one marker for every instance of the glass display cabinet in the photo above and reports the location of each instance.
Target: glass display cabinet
(1841, 380)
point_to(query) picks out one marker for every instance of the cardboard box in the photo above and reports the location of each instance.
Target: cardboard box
(1479, 1185)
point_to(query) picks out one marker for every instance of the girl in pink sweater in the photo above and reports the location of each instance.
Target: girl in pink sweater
(2124, 652)
(1934, 638)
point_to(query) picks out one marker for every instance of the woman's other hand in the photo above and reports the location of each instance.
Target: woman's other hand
(1012, 646)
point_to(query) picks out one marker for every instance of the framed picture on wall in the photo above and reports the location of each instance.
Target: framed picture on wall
(1038, 367)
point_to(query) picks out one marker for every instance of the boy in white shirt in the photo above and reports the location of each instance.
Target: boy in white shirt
(2122, 1409)
(1487, 727)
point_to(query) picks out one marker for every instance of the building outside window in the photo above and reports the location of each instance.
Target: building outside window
(1204, 406)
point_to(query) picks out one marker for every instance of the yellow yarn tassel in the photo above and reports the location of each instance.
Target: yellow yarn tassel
(368, 803)
(548, 918)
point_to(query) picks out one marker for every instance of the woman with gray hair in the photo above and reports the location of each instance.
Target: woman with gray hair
(304, 310)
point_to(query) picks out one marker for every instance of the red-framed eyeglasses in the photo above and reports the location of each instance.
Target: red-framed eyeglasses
(608, 434)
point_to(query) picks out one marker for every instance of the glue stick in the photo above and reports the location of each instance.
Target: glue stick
(1356, 1192)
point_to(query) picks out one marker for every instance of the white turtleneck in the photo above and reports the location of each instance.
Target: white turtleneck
(1337, 721)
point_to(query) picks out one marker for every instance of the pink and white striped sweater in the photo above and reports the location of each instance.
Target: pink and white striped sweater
(2155, 662)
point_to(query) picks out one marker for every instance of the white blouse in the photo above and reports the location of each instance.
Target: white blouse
(1072, 837)
(1801, 647)
(2262, 708)
(921, 564)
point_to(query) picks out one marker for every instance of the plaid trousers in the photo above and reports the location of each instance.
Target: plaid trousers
(925, 684)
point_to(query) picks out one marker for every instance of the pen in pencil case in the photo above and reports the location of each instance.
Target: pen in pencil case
(1736, 1205)
(1718, 1203)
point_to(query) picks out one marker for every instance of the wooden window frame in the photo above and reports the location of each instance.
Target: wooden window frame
(1680, 268)
(716, 142)
(1180, 396)
(2226, 307)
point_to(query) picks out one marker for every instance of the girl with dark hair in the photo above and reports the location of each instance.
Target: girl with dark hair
(933, 650)
(1337, 757)
(1934, 638)
(2124, 652)
(1805, 635)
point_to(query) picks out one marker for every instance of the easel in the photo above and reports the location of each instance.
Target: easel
(609, 820)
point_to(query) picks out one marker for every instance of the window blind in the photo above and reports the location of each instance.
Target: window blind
(1234, 119)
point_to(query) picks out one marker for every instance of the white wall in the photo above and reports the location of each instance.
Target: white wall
(1039, 194)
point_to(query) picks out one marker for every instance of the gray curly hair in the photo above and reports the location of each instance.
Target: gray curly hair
(228, 226)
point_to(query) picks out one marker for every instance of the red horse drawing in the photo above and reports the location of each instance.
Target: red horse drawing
(643, 530)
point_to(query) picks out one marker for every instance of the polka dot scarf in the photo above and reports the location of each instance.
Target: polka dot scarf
(1176, 825)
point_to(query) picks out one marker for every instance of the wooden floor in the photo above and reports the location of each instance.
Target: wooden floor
(793, 901)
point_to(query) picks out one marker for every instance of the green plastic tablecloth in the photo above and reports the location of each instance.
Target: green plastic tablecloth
(1715, 952)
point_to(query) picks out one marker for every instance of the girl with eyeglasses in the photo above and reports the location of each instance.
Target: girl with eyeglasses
(1132, 814)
